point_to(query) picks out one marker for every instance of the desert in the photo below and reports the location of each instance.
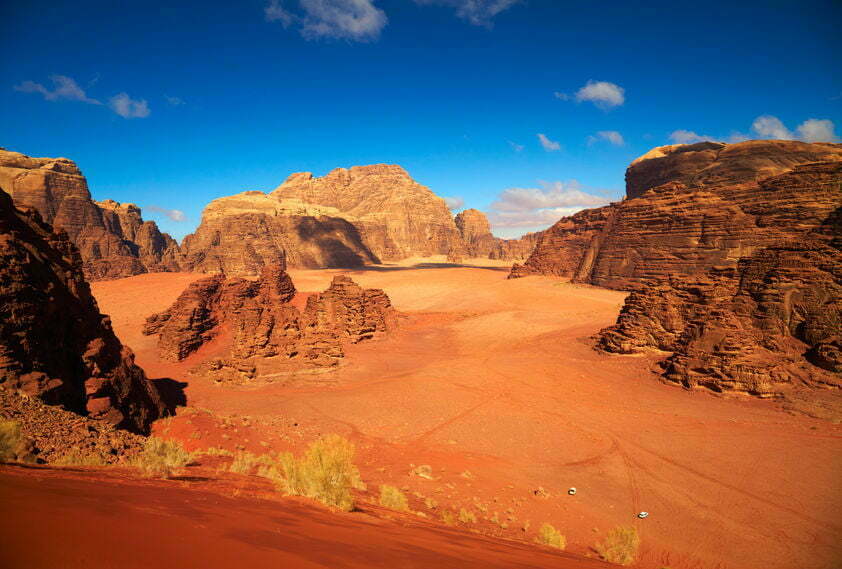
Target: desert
(421, 283)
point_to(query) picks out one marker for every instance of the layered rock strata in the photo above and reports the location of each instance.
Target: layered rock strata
(112, 239)
(267, 334)
(54, 343)
(679, 229)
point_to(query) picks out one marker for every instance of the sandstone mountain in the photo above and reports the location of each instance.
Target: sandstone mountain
(241, 234)
(478, 241)
(54, 343)
(734, 264)
(397, 217)
(268, 334)
(680, 229)
(113, 239)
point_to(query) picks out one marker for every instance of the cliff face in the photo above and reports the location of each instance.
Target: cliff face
(241, 234)
(676, 229)
(54, 343)
(396, 216)
(479, 242)
(268, 334)
(112, 239)
(734, 261)
(711, 164)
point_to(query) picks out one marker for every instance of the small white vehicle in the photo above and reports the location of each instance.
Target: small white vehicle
(572, 491)
(642, 515)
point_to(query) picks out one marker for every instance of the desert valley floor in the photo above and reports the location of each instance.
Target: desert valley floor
(494, 385)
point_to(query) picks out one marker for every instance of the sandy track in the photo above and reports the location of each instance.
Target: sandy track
(497, 377)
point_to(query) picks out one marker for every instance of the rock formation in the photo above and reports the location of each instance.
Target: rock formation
(267, 333)
(113, 240)
(396, 216)
(478, 241)
(711, 164)
(241, 234)
(732, 254)
(680, 229)
(475, 231)
(54, 343)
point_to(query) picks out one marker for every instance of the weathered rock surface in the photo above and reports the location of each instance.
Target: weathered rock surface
(676, 229)
(716, 164)
(267, 333)
(54, 434)
(396, 216)
(241, 234)
(479, 242)
(113, 240)
(54, 343)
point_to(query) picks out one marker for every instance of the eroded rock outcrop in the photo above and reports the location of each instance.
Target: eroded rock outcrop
(680, 229)
(479, 242)
(396, 216)
(54, 343)
(112, 239)
(241, 234)
(263, 331)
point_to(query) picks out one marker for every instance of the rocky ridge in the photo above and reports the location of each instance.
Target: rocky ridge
(54, 343)
(112, 239)
(264, 332)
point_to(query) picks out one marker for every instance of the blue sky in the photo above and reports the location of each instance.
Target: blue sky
(172, 104)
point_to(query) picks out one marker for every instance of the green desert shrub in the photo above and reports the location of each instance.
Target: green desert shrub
(162, 458)
(620, 545)
(548, 535)
(326, 472)
(392, 498)
(11, 439)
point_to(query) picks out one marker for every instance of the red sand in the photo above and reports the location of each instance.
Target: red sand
(497, 378)
(59, 520)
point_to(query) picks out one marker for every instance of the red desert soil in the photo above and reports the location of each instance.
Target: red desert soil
(494, 385)
(67, 521)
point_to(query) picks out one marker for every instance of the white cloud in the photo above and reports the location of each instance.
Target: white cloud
(172, 214)
(534, 207)
(560, 95)
(174, 101)
(611, 136)
(516, 147)
(454, 203)
(602, 93)
(357, 20)
(817, 130)
(477, 12)
(549, 145)
(127, 107)
(64, 88)
(689, 137)
(767, 126)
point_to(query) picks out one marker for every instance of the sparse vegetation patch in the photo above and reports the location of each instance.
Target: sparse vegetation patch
(620, 546)
(162, 458)
(325, 473)
(392, 498)
(548, 535)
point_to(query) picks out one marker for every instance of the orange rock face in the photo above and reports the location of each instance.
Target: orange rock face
(396, 216)
(478, 241)
(268, 334)
(112, 238)
(54, 343)
(677, 229)
(734, 265)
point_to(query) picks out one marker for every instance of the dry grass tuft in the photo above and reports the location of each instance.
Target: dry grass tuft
(162, 458)
(75, 457)
(11, 439)
(620, 545)
(467, 517)
(325, 473)
(448, 517)
(392, 498)
(548, 535)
